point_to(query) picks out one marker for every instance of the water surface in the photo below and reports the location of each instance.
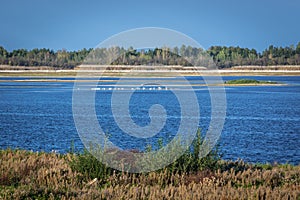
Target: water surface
(262, 122)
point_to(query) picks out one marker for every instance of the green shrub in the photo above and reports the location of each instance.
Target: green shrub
(190, 161)
(90, 167)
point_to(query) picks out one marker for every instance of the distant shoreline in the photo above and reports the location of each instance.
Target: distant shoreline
(146, 73)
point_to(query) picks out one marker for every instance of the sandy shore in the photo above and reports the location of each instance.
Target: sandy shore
(126, 82)
(134, 85)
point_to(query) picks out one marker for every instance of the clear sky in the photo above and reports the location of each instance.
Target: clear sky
(77, 24)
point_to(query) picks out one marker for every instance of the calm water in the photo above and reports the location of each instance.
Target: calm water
(262, 122)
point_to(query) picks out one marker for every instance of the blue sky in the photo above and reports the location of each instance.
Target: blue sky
(75, 24)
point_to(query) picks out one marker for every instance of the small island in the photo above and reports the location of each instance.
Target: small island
(250, 82)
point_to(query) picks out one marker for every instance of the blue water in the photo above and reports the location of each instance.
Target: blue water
(262, 122)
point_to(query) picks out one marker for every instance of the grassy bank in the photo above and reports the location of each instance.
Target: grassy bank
(30, 175)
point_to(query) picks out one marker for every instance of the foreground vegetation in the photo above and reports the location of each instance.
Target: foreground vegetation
(223, 57)
(33, 175)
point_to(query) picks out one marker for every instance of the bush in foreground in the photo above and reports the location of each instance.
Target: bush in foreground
(188, 163)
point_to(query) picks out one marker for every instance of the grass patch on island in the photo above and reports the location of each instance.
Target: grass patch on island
(248, 82)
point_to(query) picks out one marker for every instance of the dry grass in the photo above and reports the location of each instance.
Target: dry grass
(27, 175)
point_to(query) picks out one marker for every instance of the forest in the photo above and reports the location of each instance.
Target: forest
(223, 57)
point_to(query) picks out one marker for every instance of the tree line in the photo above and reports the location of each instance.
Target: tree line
(223, 57)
